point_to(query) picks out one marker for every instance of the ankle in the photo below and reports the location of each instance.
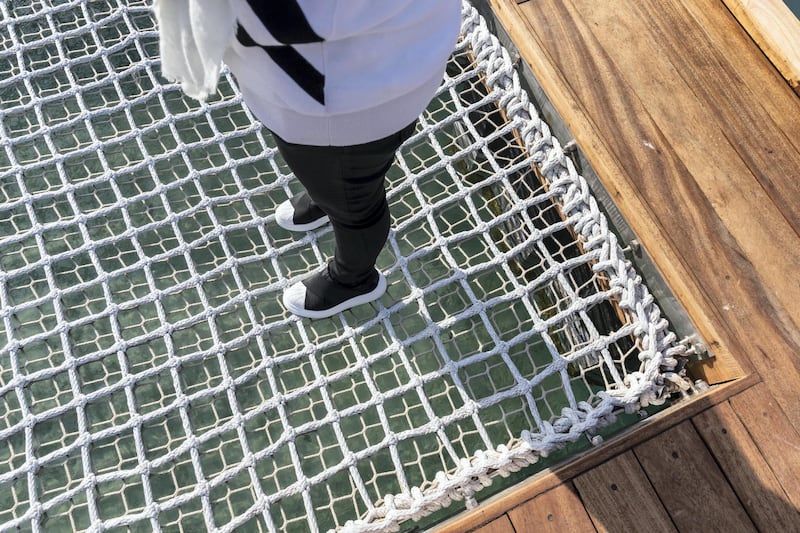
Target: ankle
(351, 279)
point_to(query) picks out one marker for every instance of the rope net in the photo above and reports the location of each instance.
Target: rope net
(149, 375)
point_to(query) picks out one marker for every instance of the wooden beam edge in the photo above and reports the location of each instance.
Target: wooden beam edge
(776, 30)
(550, 478)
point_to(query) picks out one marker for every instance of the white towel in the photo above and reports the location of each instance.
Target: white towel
(194, 35)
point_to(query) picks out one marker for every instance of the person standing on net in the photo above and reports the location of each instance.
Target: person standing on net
(340, 84)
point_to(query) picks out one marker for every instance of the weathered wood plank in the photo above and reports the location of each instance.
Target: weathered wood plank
(748, 472)
(747, 61)
(777, 31)
(554, 511)
(619, 497)
(689, 482)
(725, 102)
(499, 525)
(648, 49)
(776, 438)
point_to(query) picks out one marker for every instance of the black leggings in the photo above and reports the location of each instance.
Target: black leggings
(347, 183)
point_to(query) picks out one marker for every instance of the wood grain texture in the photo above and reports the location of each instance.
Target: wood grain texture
(719, 240)
(777, 31)
(690, 484)
(745, 467)
(725, 102)
(747, 62)
(619, 497)
(776, 438)
(554, 511)
(499, 525)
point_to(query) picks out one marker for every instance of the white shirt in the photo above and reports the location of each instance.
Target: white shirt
(340, 72)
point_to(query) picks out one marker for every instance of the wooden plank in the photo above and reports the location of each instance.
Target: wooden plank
(499, 525)
(776, 438)
(747, 61)
(689, 482)
(776, 30)
(653, 59)
(619, 497)
(725, 103)
(551, 478)
(739, 294)
(748, 472)
(554, 511)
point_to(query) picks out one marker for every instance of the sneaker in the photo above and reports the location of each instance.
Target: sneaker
(299, 213)
(320, 296)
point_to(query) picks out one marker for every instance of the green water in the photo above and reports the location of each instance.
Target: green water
(794, 5)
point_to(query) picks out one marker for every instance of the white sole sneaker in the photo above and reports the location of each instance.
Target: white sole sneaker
(294, 299)
(284, 216)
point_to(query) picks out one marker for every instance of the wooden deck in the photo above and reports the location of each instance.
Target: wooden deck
(695, 135)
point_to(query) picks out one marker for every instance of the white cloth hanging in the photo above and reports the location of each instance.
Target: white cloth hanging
(194, 35)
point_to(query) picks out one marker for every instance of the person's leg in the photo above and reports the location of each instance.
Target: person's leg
(347, 183)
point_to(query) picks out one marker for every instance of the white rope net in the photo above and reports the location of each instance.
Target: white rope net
(150, 377)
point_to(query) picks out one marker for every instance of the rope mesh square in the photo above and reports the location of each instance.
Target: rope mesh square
(150, 377)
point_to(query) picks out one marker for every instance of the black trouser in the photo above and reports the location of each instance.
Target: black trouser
(347, 183)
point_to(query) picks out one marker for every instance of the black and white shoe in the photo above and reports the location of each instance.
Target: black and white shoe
(299, 213)
(320, 296)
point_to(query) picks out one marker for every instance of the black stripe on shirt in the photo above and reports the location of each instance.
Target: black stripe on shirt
(292, 63)
(285, 20)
